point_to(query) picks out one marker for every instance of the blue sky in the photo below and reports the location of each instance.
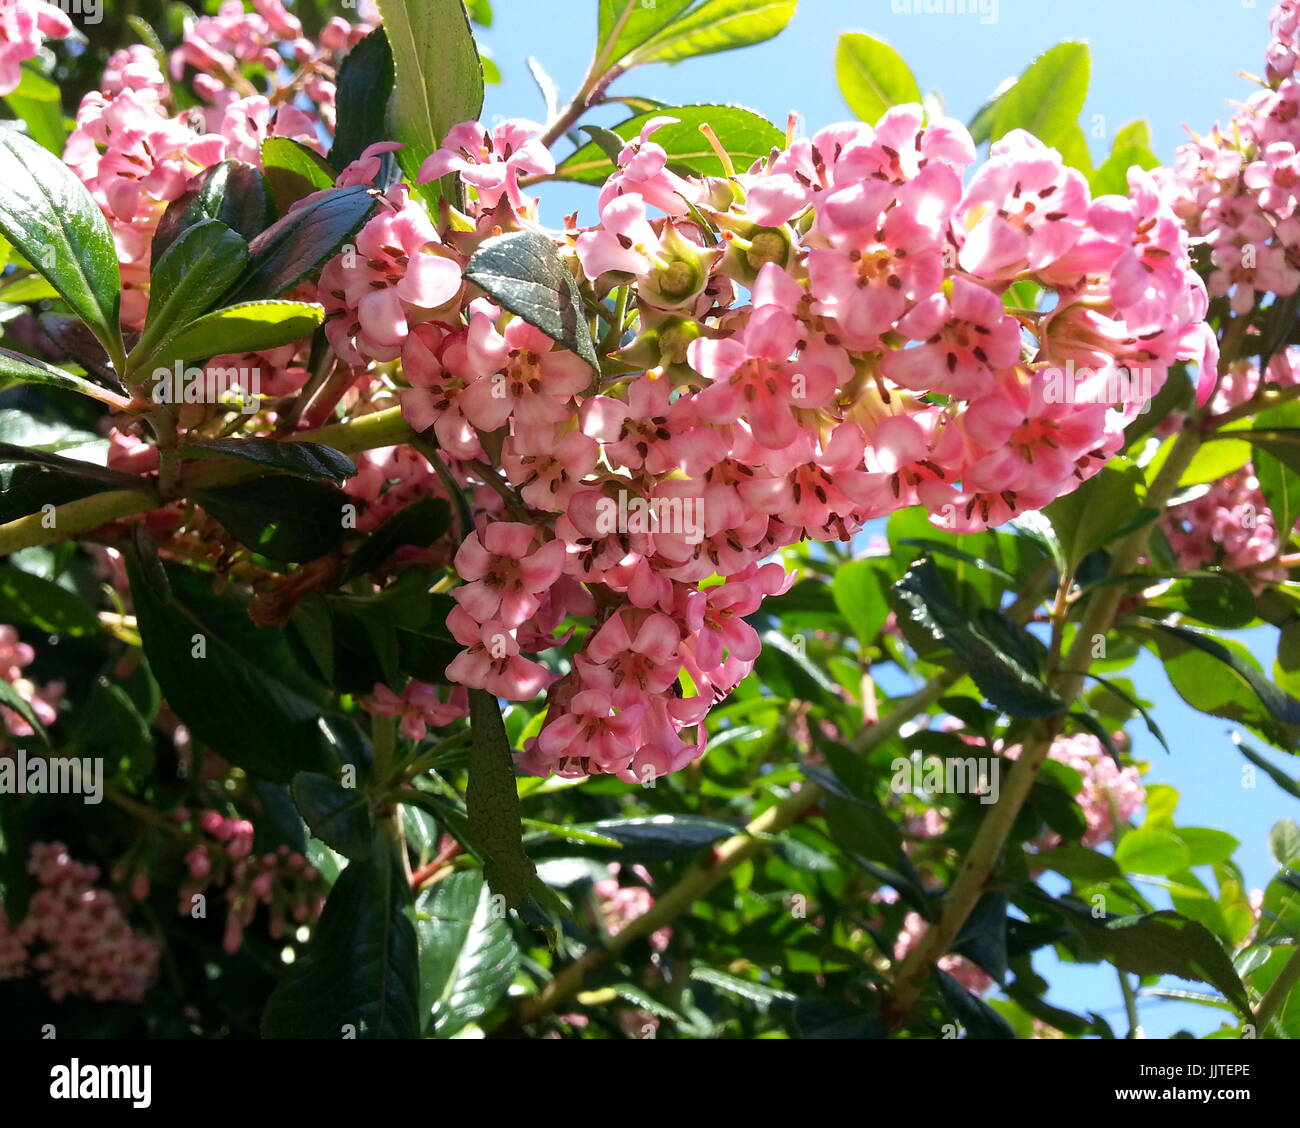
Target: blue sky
(1173, 62)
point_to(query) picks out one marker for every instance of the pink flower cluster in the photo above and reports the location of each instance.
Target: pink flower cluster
(15, 655)
(1109, 795)
(876, 366)
(75, 936)
(621, 904)
(282, 880)
(1230, 525)
(1236, 188)
(137, 153)
(24, 25)
(960, 968)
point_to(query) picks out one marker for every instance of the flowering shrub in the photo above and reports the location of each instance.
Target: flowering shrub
(416, 607)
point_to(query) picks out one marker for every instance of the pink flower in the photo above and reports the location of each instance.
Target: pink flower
(506, 570)
(492, 162)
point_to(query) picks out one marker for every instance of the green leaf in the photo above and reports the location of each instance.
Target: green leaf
(524, 273)
(743, 133)
(339, 816)
(1049, 96)
(232, 192)
(1152, 850)
(365, 85)
(439, 78)
(418, 524)
(359, 976)
(624, 25)
(468, 957)
(1162, 943)
(35, 102)
(19, 369)
(47, 214)
(302, 459)
(247, 327)
(1003, 677)
(872, 76)
(285, 519)
(1087, 518)
(1281, 706)
(716, 25)
(1208, 846)
(1112, 176)
(1284, 781)
(654, 838)
(42, 604)
(493, 803)
(1284, 843)
(239, 688)
(860, 589)
(294, 171)
(191, 274)
(979, 1019)
(301, 242)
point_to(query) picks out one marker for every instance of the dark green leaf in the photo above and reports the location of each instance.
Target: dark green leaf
(524, 272)
(418, 524)
(979, 1019)
(365, 84)
(360, 974)
(493, 803)
(301, 242)
(302, 459)
(284, 519)
(232, 192)
(339, 816)
(239, 688)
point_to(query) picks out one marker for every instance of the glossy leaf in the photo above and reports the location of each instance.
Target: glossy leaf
(294, 171)
(524, 273)
(365, 85)
(247, 327)
(50, 217)
(339, 816)
(233, 192)
(300, 243)
(301, 459)
(468, 957)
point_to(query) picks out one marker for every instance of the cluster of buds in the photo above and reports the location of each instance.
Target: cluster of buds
(24, 27)
(75, 937)
(44, 700)
(281, 880)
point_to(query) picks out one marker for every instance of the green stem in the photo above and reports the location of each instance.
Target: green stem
(1286, 982)
(380, 429)
(1130, 1005)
